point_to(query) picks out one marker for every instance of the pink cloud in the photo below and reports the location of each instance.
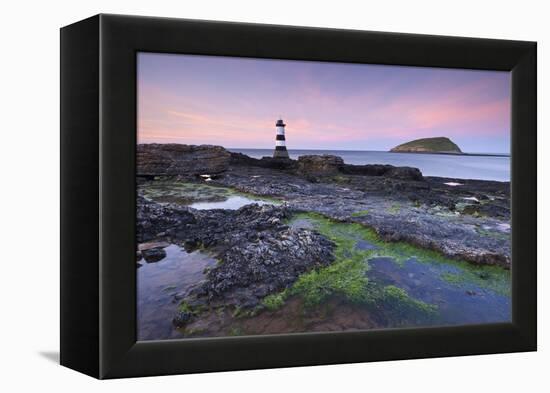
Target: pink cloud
(315, 117)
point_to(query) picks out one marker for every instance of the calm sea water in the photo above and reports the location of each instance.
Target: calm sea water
(459, 167)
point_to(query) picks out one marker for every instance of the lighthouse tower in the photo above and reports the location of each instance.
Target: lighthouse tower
(280, 146)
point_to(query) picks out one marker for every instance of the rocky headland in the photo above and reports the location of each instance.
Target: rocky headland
(261, 254)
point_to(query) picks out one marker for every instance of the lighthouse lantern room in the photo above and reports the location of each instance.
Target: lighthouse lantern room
(280, 145)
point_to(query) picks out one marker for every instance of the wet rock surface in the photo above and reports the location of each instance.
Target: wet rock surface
(153, 254)
(258, 256)
(257, 253)
(467, 221)
(156, 221)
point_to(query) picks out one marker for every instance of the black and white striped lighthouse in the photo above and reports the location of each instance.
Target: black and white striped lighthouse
(280, 145)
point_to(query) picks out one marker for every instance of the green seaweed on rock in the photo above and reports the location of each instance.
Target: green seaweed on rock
(275, 301)
(399, 298)
(360, 213)
(493, 278)
(346, 234)
(347, 276)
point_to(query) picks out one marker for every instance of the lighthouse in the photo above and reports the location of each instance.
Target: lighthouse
(280, 146)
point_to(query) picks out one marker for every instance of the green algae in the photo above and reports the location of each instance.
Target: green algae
(360, 213)
(186, 308)
(403, 302)
(237, 312)
(275, 301)
(236, 331)
(394, 208)
(493, 278)
(348, 275)
(345, 235)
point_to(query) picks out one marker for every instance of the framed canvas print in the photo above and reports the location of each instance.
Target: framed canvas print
(239, 196)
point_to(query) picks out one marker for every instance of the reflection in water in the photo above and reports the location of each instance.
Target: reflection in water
(232, 203)
(198, 195)
(458, 303)
(158, 286)
(461, 293)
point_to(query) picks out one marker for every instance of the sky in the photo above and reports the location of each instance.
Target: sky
(234, 102)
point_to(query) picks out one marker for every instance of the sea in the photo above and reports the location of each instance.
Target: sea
(478, 166)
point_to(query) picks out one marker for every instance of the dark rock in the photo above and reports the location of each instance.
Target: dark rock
(240, 159)
(243, 159)
(472, 209)
(484, 275)
(154, 219)
(419, 212)
(150, 245)
(319, 165)
(277, 163)
(181, 318)
(488, 210)
(366, 170)
(258, 255)
(402, 207)
(184, 160)
(153, 255)
(403, 173)
(277, 261)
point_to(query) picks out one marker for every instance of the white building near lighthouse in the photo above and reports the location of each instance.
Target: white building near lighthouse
(280, 142)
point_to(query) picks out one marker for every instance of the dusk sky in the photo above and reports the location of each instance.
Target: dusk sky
(235, 102)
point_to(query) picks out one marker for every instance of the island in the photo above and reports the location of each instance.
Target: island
(441, 145)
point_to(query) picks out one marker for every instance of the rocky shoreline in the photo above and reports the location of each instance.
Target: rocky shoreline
(259, 254)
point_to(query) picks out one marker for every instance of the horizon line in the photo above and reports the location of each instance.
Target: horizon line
(507, 154)
(381, 151)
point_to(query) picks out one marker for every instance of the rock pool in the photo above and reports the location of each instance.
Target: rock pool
(159, 286)
(233, 202)
(198, 195)
(371, 284)
(457, 292)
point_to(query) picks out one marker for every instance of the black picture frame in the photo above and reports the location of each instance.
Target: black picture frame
(98, 195)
